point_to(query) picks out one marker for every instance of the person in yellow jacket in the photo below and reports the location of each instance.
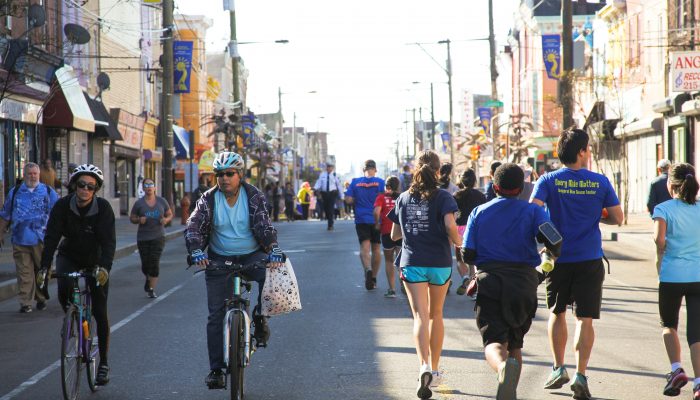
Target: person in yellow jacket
(304, 197)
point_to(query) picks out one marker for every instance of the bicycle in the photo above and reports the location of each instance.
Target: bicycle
(78, 337)
(238, 347)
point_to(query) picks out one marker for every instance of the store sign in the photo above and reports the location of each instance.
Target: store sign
(685, 71)
(130, 126)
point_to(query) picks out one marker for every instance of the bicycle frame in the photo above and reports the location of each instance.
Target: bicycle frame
(238, 305)
(82, 301)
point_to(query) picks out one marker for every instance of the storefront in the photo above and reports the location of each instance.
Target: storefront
(152, 156)
(125, 157)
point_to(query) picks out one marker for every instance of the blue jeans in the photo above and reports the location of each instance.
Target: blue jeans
(220, 288)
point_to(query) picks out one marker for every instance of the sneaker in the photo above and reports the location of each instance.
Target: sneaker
(41, 305)
(462, 289)
(215, 379)
(152, 293)
(674, 382)
(557, 378)
(696, 392)
(261, 331)
(437, 379)
(425, 376)
(146, 286)
(369, 279)
(580, 388)
(508, 374)
(25, 309)
(390, 294)
(102, 375)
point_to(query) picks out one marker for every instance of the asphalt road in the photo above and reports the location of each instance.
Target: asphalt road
(347, 343)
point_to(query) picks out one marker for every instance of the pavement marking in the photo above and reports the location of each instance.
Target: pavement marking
(295, 251)
(57, 364)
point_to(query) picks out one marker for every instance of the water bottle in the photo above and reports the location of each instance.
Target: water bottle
(547, 264)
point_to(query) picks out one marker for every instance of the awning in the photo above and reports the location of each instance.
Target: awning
(671, 104)
(181, 139)
(641, 127)
(691, 108)
(125, 152)
(597, 114)
(604, 129)
(104, 124)
(67, 107)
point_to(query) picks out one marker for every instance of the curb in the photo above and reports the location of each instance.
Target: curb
(8, 288)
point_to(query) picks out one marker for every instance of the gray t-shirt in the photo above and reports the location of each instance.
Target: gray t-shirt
(152, 229)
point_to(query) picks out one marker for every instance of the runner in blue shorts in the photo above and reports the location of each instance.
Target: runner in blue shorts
(424, 216)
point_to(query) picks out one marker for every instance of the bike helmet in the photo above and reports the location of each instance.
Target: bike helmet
(87, 169)
(228, 159)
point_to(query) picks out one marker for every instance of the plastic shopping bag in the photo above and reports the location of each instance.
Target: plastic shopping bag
(280, 294)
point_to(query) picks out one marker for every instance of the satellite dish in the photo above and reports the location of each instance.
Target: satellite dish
(103, 81)
(36, 15)
(76, 34)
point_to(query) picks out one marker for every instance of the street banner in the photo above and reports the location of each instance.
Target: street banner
(182, 56)
(445, 136)
(467, 112)
(552, 57)
(485, 119)
(685, 71)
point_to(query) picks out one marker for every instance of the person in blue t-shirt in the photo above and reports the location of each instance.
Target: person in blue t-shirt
(500, 238)
(575, 198)
(677, 237)
(362, 192)
(424, 216)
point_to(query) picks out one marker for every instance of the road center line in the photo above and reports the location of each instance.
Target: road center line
(57, 364)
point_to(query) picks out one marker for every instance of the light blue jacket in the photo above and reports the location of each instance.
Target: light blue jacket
(29, 213)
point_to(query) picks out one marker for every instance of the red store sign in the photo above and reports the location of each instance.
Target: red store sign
(130, 126)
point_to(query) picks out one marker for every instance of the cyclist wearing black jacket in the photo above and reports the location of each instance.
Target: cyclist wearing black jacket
(84, 225)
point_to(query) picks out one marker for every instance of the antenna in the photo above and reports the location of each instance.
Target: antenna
(102, 83)
(36, 15)
(76, 34)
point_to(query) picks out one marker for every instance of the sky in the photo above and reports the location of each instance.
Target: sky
(360, 59)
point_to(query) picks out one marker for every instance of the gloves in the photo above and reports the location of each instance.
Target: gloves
(276, 255)
(41, 277)
(101, 276)
(198, 256)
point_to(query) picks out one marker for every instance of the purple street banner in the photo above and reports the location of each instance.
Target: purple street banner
(551, 54)
(182, 55)
(485, 119)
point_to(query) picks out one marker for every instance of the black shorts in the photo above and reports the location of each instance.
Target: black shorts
(367, 232)
(579, 284)
(670, 299)
(494, 328)
(388, 244)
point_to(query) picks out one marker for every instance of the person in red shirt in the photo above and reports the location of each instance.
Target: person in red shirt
(382, 205)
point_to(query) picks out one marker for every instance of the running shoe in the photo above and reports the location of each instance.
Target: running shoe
(25, 309)
(390, 294)
(41, 305)
(580, 387)
(696, 392)
(557, 378)
(437, 379)
(369, 279)
(508, 373)
(102, 375)
(675, 380)
(462, 289)
(216, 379)
(152, 293)
(425, 376)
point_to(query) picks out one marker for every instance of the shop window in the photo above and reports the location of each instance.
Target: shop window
(679, 144)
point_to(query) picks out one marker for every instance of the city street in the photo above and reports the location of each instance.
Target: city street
(347, 343)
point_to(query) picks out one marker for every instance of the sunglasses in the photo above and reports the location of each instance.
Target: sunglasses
(228, 174)
(85, 185)
(149, 185)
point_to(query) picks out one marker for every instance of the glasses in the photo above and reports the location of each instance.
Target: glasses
(228, 174)
(149, 185)
(85, 185)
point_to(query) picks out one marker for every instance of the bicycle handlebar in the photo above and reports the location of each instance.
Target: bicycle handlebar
(222, 265)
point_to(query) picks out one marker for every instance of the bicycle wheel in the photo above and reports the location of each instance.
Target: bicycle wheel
(92, 354)
(70, 355)
(235, 357)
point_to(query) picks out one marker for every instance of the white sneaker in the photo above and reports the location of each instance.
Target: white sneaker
(425, 376)
(437, 379)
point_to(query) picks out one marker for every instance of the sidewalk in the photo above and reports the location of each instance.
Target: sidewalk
(126, 244)
(634, 240)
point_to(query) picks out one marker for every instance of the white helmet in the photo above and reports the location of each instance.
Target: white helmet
(228, 159)
(87, 169)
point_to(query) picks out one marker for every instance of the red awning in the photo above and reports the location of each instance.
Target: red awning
(66, 106)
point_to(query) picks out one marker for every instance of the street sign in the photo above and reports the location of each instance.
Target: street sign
(494, 103)
(684, 71)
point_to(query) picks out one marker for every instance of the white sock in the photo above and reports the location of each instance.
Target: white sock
(696, 382)
(675, 366)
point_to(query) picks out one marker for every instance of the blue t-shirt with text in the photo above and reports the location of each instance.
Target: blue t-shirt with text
(680, 259)
(425, 242)
(364, 191)
(503, 231)
(575, 200)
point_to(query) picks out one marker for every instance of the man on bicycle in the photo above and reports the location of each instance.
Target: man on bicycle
(86, 224)
(230, 222)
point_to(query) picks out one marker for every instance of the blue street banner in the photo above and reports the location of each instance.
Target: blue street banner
(247, 129)
(485, 119)
(551, 45)
(445, 136)
(182, 56)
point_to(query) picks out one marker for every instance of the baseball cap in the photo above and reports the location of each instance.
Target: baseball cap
(663, 164)
(370, 164)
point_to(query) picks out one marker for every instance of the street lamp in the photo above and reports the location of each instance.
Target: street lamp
(448, 70)
(432, 116)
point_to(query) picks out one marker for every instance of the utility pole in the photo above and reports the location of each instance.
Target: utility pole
(449, 88)
(415, 133)
(432, 120)
(166, 101)
(494, 74)
(567, 64)
(233, 53)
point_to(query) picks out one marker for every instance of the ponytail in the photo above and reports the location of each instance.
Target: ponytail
(425, 182)
(683, 182)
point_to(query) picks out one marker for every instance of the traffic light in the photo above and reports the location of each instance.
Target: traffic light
(475, 152)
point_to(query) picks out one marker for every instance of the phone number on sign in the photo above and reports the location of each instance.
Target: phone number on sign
(688, 85)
